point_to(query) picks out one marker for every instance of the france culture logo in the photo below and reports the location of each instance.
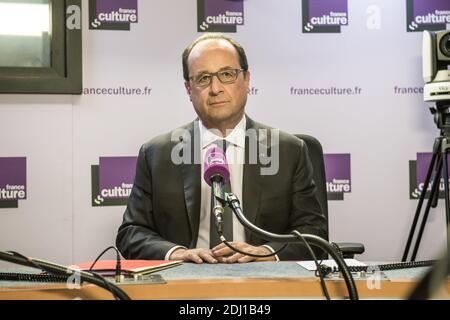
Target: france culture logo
(417, 173)
(13, 181)
(337, 175)
(112, 14)
(430, 15)
(219, 15)
(324, 16)
(112, 180)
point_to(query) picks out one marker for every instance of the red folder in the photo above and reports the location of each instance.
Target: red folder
(129, 267)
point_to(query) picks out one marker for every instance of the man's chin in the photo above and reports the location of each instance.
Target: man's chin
(222, 118)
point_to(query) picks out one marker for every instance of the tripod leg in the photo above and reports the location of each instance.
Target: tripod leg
(434, 193)
(445, 148)
(436, 150)
(435, 196)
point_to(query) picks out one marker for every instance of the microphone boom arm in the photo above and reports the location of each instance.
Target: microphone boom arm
(234, 203)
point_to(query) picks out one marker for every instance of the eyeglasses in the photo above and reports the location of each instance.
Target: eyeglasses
(225, 76)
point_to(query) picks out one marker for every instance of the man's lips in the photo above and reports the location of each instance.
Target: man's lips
(217, 103)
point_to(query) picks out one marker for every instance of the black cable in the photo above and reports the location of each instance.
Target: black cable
(319, 270)
(233, 201)
(62, 270)
(43, 268)
(229, 245)
(106, 282)
(118, 263)
(103, 252)
(118, 266)
(25, 258)
(31, 277)
(389, 266)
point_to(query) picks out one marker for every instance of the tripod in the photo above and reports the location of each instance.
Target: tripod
(439, 159)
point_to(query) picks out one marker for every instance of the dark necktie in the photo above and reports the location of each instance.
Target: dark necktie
(227, 224)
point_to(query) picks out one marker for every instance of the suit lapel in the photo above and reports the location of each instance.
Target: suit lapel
(191, 180)
(251, 183)
(251, 186)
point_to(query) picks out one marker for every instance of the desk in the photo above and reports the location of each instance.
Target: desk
(266, 280)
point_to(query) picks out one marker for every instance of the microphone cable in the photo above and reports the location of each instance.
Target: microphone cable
(229, 245)
(60, 270)
(118, 262)
(233, 201)
(118, 267)
(96, 275)
(319, 271)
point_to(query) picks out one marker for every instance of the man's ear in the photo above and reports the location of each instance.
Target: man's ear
(188, 89)
(247, 78)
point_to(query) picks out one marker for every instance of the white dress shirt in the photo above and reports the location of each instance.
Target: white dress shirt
(235, 154)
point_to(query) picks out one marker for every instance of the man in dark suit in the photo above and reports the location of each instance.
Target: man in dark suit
(168, 212)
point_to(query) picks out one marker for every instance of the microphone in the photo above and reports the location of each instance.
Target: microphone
(216, 174)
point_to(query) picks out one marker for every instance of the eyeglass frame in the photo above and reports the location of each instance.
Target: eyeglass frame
(216, 74)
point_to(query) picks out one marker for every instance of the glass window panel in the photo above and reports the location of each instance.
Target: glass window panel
(25, 33)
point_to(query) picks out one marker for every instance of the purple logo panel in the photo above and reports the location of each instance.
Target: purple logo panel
(13, 178)
(422, 164)
(418, 170)
(338, 173)
(324, 16)
(224, 7)
(112, 14)
(220, 15)
(118, 11)
(328, 12)
(427, 15)
(116, 176)
(424, 7)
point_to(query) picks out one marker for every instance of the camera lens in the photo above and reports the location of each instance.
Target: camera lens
(445, 45)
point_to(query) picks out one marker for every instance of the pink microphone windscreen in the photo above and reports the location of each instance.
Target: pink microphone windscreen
(215, 163)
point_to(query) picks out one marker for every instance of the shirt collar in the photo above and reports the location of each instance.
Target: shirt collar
(236, 136)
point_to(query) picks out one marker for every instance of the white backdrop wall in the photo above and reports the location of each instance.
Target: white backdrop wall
(63, 136)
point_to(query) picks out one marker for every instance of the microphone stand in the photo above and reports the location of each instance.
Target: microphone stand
(62, 270)
(233, 202)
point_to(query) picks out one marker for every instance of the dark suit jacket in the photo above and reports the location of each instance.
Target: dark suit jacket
(164, 205)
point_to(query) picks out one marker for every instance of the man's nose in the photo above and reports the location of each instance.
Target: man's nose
(215, 86)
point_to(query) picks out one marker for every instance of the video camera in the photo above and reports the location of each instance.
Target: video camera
(435, 63)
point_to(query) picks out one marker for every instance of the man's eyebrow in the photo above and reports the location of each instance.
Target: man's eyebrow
(221, 69)
(202, 71)
(226, 68)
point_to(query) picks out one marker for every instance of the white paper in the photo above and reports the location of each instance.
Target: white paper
(311, 266)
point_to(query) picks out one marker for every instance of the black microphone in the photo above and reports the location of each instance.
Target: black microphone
(216, 174)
